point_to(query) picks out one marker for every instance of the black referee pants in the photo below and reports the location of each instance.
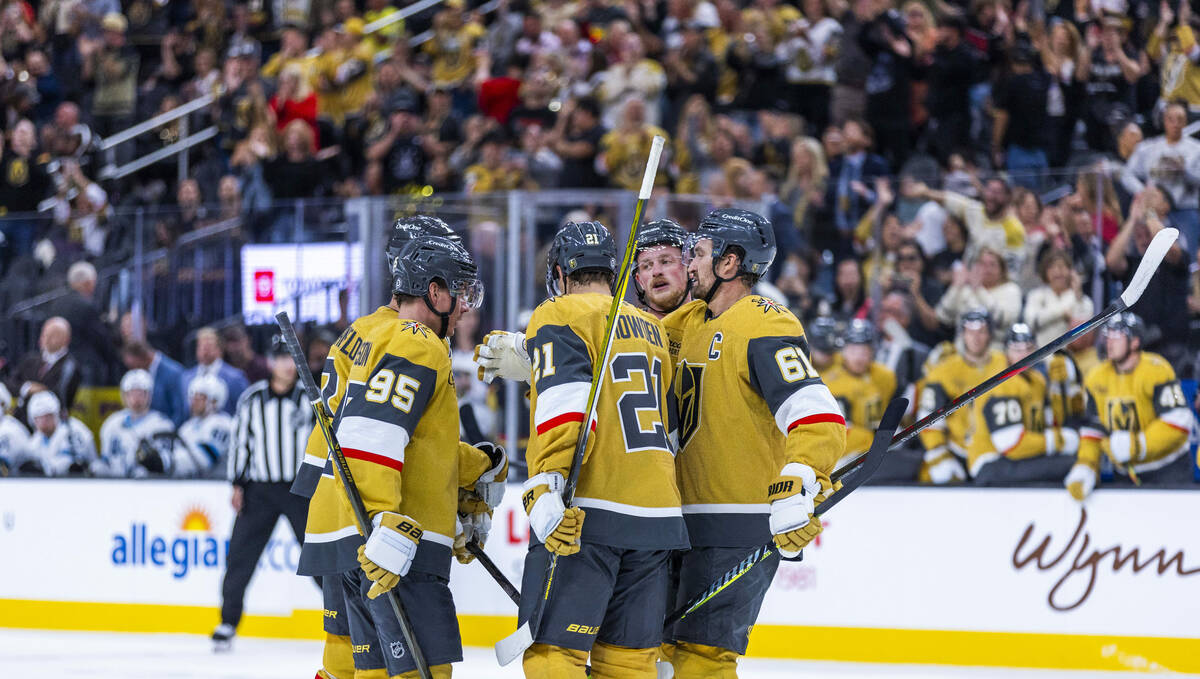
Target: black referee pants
(262, 504)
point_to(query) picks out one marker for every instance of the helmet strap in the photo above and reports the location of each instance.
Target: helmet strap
(718, 280)
(445, 316)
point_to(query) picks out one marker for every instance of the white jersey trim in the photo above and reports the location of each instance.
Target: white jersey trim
(809, 400)
(763, 508)
(561, 399)
(630, 510)
(437, 538)
(373, 436)
(314, 460)
(332, 536)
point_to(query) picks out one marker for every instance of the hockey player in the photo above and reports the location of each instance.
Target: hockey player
(127, 437)
(56, 448)
(398, 427)
(823, 344)
(861, 386)
(207, 432)
(610, 589)
(1015, 437)
(1136, 414)
(13, 435)
(660, 275)
(1064, 388)
(660, 281)
(946, 441)
(759, 435)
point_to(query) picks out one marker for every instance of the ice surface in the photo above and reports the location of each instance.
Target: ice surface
(100, 655)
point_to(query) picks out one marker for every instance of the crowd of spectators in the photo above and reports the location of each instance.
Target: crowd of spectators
(917, 159)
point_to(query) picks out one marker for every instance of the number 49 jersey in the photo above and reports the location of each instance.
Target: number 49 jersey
(750, 402)
(627, 481)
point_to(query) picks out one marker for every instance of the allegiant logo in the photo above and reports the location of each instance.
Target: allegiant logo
(192, 546)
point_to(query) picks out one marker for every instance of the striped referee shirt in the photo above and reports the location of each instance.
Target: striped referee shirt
(270, 435)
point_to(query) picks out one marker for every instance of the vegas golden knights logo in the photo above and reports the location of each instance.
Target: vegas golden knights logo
(1122, 415)
(690, 378)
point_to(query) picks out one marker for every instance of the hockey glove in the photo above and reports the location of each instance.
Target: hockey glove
(1062, 441)
(502, 354)
(792, 496)
(554, 524)
(1080, 481)
(944, 467)
(470, 527)
(388, 553)
(150, 458)
(1126, 447)
(490, 486)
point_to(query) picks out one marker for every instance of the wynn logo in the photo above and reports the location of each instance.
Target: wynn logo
(1088, 560)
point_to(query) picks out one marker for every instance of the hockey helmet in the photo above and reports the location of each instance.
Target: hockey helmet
(408, 228)
(749, 231)
(137, 379)
(822, 334)
(1020, 333)
(211, 387)
(423, 260)
(1128, 323)
(860, 331)
(42, 403)
(975, 318)
(577, 247)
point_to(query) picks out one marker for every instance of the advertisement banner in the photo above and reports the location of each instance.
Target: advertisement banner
(273, 276)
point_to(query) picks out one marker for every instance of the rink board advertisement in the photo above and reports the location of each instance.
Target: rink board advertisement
(972, 576)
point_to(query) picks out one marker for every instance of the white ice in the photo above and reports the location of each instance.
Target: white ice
(98, 655)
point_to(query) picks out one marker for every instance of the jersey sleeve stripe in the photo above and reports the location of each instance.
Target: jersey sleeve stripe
(1091, 433)
(815, 419)
(562, 399)
(805, 404)
(372, 436)
(355, 454)
(561, 420)
(1007, 438)
(1179, 418)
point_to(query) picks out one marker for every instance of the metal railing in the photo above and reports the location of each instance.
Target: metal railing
(109, 144)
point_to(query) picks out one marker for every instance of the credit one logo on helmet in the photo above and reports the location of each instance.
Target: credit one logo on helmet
(190, 547)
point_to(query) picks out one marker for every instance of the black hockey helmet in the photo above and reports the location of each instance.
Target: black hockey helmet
(1126, 322)
(729, 226)
(1020, 333)
(423, 260)
(405, 229)
(975, 317)
(860, 331)
(660, 232)
(822, 334)
(577, 247)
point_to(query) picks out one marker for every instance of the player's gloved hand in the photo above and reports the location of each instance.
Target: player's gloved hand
(491, 484)
(793, 496)
(557, 526)
(1125, 447)
(1080, 481)
(388, 553)
(944, 467)
(1062, 441)
(470, 528)
(149, 458)
(502, 354)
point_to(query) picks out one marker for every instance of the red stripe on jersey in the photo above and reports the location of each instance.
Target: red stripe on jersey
(1014, 446)
(1175, 426)
(818, 418)
(561, 420)
(363, 455)
(1090, 437)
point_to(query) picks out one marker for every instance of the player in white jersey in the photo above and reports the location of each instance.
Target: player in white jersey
(207, 432)
(13, 435)
(56, 448)
(127, 437)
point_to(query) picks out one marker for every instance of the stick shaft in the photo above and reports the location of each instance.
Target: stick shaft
(491, 567)
(324, 422)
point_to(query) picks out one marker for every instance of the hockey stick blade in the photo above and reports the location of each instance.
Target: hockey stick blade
(851, 478)
(513, 646)
(1155, 252)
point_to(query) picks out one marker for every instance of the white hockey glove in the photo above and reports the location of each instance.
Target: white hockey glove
(388, 553)
(502, 354)
(1125, 447)
(1062, 441)
(553, 523)
(490, 485)
(944, 466)
(793, 495)
(1080, 481)
(470, 527)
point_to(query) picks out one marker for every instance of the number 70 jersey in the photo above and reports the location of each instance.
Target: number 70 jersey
(627, 483)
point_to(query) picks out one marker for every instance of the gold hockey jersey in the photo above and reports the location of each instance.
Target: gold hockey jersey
(1147, 402)
(750, 401)
(1012, 420)
(862, 399)
(397, 425)
(627, 481)
(1064, 389)
(946, 381)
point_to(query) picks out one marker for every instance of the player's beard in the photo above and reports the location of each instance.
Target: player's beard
(699, 290)
(666, 299)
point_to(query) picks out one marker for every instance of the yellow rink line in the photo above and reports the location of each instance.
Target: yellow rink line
(850, 644)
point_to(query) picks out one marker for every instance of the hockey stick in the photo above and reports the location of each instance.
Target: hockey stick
(494, 570)
(508, 648)
(850, 477)
(324, 421)
(1157, 249)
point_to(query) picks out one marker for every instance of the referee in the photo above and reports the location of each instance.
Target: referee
(272, 427)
